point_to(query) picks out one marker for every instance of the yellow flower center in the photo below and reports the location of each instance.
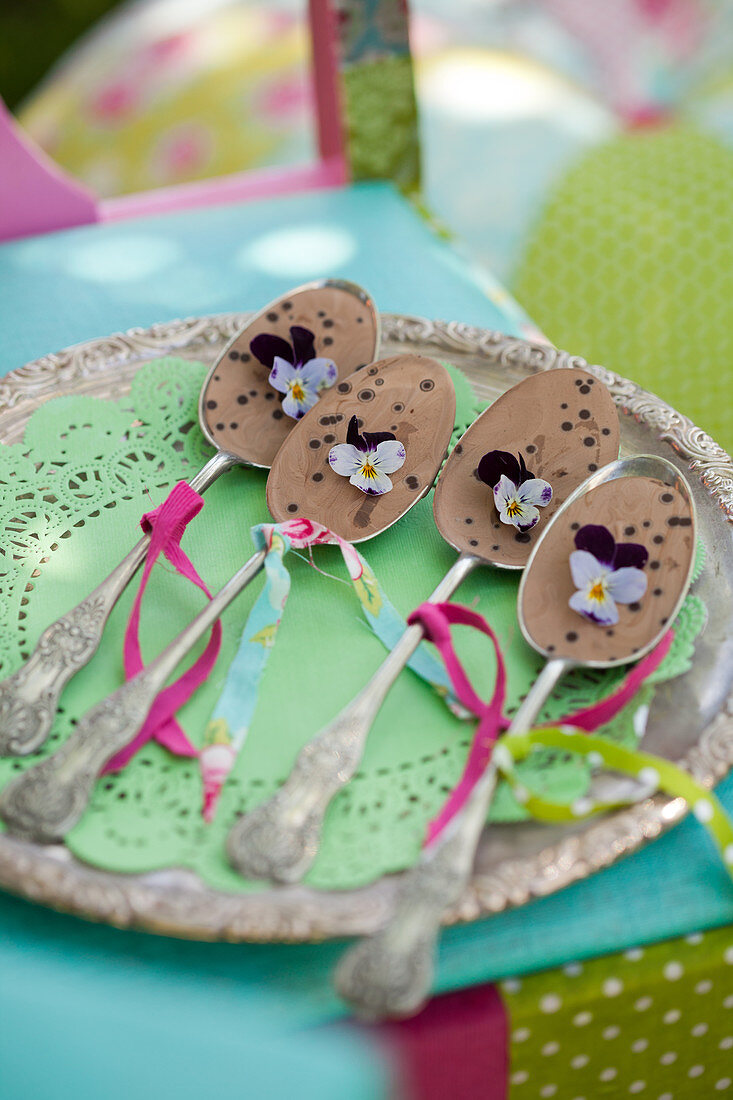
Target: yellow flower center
(368, 470)
(597, 592)
(297, 392)
(514, 508)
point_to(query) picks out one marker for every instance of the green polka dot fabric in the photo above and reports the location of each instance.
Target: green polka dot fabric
(630, 263)
(656, 1022)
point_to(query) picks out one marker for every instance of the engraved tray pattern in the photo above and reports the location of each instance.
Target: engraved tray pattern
(691, 722)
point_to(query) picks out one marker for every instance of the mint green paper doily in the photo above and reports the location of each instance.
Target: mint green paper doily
(72, 496)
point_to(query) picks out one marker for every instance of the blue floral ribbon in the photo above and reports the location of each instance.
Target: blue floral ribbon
(231, 719)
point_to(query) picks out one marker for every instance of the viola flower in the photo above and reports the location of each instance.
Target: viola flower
(367, 459)
(605, 573)
(295, 370)
(518, 494)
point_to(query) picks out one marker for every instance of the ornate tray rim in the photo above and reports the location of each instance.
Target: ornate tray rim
(175, 902)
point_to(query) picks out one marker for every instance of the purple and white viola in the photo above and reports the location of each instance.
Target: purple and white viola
(518, 494)
(605, 572)
(295, 370)
(367, 459)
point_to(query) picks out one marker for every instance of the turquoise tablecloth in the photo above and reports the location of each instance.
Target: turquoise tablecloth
(194, 1004)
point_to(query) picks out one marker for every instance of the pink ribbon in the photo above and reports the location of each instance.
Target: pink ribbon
(166, 525)
(436, 620)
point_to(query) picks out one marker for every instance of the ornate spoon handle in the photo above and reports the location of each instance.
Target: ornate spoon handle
(29, 698)
(390, 973)
(46, 801)
(279, 839)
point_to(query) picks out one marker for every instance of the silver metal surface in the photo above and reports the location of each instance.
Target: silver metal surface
(691, 720)
(279, 839)
(48, 799)
(390, 973)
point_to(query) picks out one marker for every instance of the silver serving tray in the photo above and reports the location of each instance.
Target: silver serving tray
(691, 719)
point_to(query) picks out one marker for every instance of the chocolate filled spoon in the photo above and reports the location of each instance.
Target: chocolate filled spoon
(561, 424)
(241, 414)
(410, 392)
(604, 582)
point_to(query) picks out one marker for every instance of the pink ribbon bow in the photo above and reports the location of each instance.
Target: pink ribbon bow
(166, 525)
(436, 620)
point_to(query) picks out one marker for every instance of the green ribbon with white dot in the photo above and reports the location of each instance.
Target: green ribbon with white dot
(654, 772)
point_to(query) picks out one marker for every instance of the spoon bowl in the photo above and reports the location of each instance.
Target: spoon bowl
(239, 411)
(412, 397)
(641, 499)
(565, 425)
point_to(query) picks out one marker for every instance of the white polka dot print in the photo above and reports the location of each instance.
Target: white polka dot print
(643, 1004)
(579, 1061)
(699, 1030)
(550, 1003)
(673, 971)
(612, 1032)
(703, 810)
(704, 986)
(668, 1058)
(723, 1083)
(608, 1074)
(550, 1048)
(637, 1086)
(649, 777)
(521, 1035)
(612, 987)
(672, 1016)
(639, 1045)
(582, 1018)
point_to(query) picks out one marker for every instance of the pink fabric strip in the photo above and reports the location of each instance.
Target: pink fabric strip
(592, 717)
(436, 620)
(457, 1047)
(166, 525)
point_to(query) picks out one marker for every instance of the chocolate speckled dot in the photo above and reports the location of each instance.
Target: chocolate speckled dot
(539, 417)
(617, 505)
(424, 426)
(240, 392)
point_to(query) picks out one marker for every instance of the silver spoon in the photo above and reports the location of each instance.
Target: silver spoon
(240, 415)
(564, 422)
(390, 973)
(46, 801)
